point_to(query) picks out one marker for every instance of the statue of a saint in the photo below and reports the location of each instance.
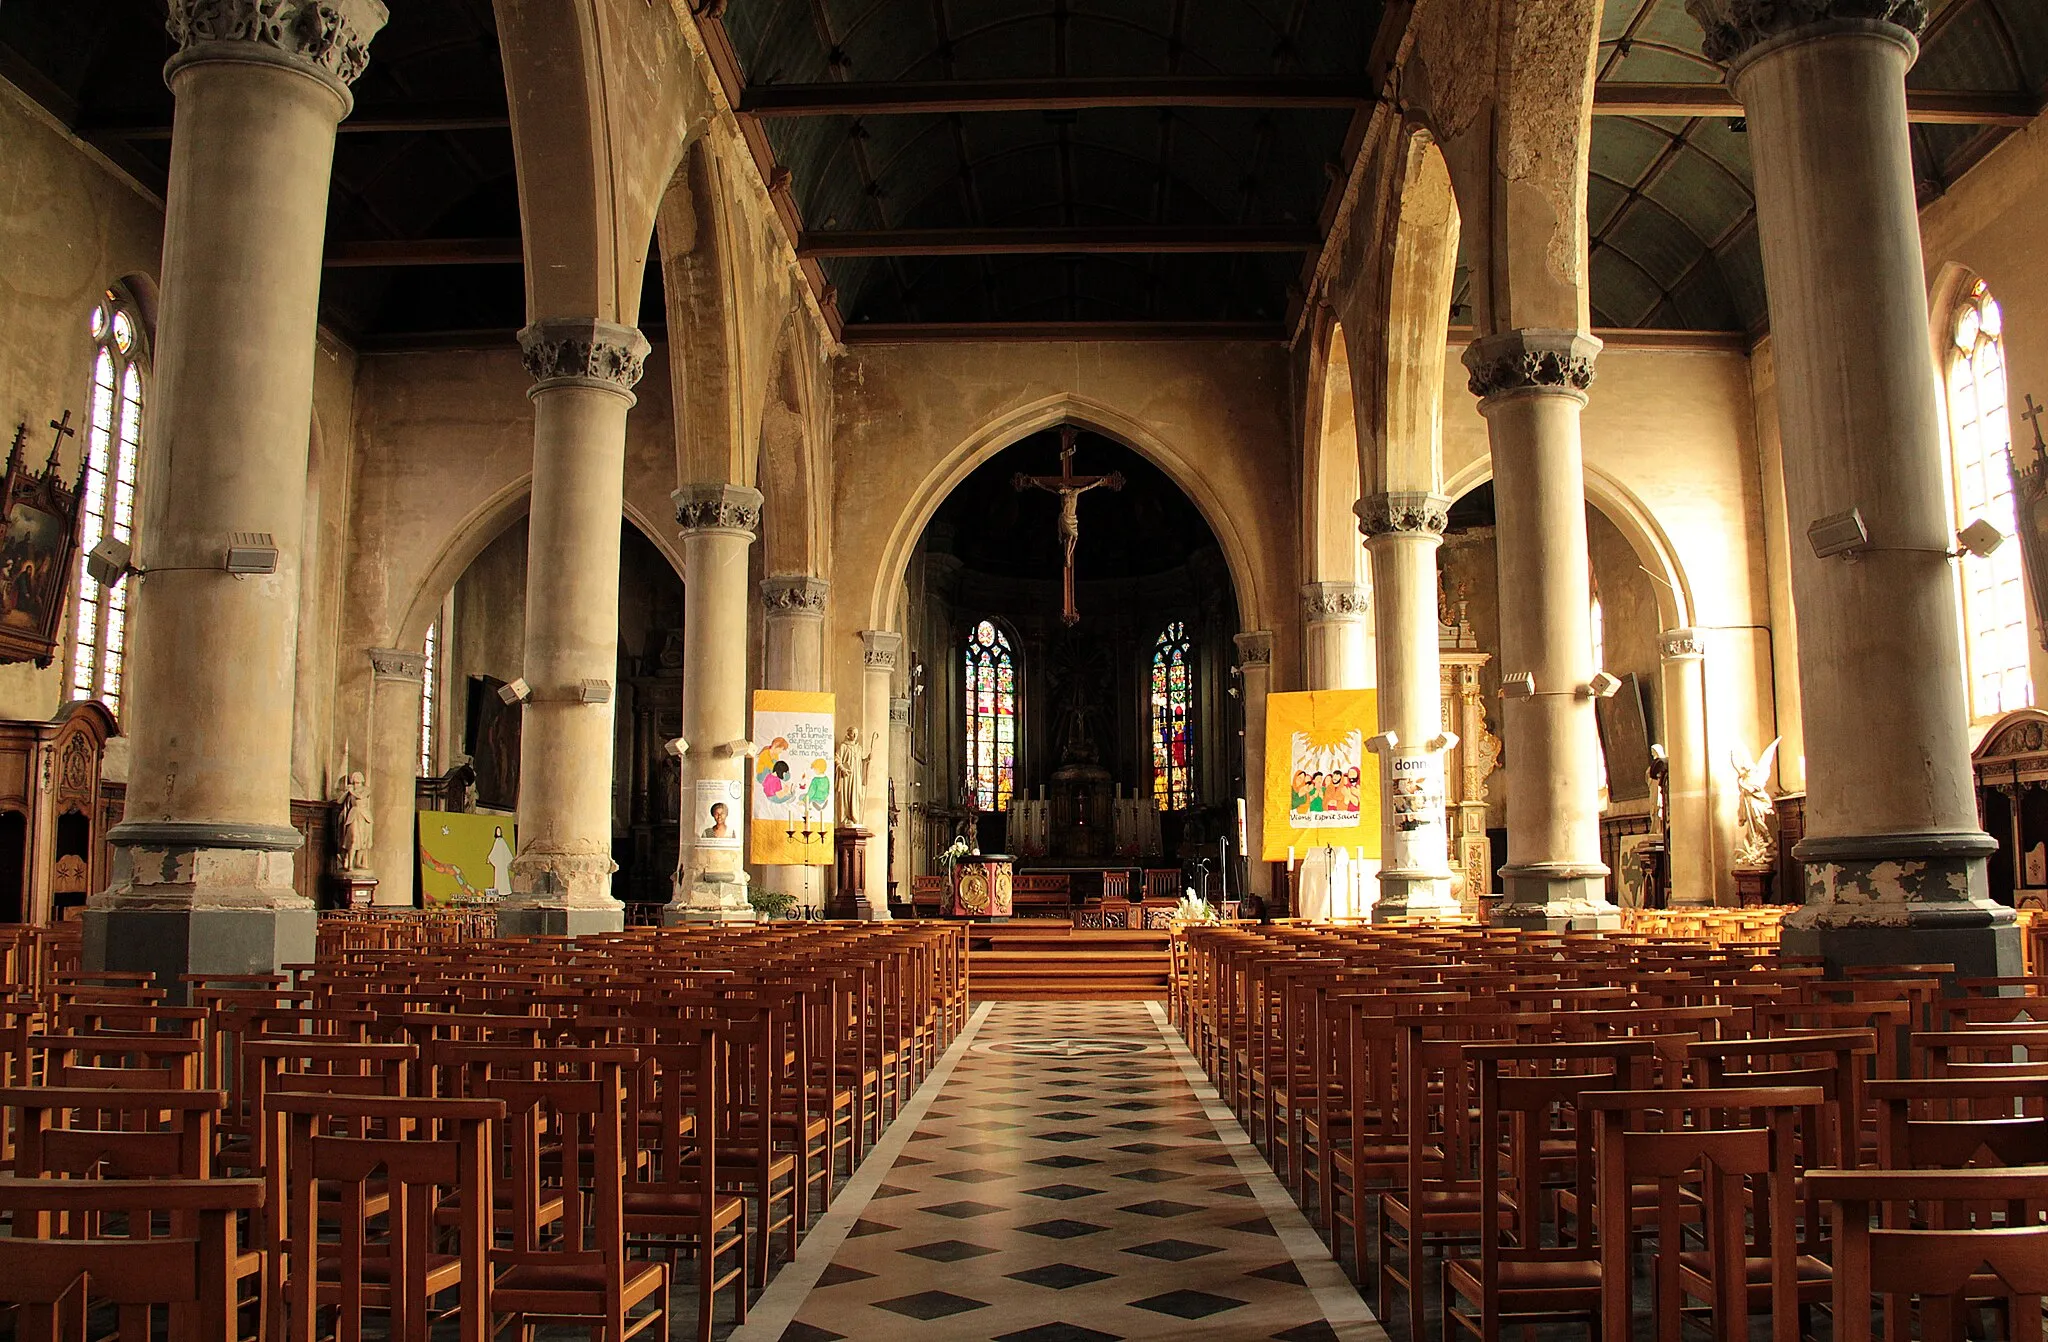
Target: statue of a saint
(852, 764)
(353, 830)
(1659, 777)
(1758, 847)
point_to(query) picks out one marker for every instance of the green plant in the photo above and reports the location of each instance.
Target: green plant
(772, 903)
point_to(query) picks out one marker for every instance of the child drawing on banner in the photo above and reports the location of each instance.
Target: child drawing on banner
(1324, 793)
(773, 770)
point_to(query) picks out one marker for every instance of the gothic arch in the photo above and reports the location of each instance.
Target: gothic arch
(1402, 405)
(706, 362)
(792, 511)
(1330, 547)
(884, 603)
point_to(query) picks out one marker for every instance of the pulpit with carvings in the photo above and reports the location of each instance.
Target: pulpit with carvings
(2012, 804)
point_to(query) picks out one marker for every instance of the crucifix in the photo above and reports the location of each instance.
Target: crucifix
(1070, 487)
(2032, 414)
(64, 430)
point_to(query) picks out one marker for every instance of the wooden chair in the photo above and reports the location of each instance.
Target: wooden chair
(1953, 1123)
(1952, 1259)
(410, 1152)
(187, 1273)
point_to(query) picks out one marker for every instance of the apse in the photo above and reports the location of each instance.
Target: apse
(1130, 694)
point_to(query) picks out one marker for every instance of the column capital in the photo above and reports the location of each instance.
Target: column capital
(329, 39)
(795, 594)
(1403, 511)
(584, 350)
(1335, 601)
(1678, 644)
(1736, 28)
(396, 664)
(880, 648)
(1531, 360)
(718, 507)
(899, 713)
(1255, 648)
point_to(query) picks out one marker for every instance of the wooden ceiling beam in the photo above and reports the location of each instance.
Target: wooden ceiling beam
(424, 252)
(1056, 241)
(899, 333)
(1941, 107)
(1043, 95)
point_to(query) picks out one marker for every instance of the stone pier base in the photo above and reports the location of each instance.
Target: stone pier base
(1562, 900)
(171, 942)
(571, 921)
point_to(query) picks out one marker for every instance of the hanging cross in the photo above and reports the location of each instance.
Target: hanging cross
(2032, 414)
(1070, 487)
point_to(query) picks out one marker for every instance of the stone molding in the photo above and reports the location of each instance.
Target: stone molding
(880, 649)
(191, 834)
(717, 507)
(583, 349)
(1255, 648)
(1335, 601)
(795, 595)
(395, 664)
(1531, 360)
(1735, 28)
(1403, 511)
(332, 36)
(1673, 644)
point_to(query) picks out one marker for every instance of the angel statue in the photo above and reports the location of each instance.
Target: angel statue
(1758, 847)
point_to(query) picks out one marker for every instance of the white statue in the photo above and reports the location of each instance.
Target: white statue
(853, 768)
(1758, 848)
(501, 863)
(354, 838)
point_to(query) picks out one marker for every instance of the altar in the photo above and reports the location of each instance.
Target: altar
(981, 886)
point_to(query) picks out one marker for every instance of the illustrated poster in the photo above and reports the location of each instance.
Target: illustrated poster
(1322, 785)
(790, 793)
(464, 858)
(716, 814)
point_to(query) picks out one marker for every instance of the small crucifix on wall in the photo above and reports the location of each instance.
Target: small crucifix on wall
(2032, 414)
(1070, 487)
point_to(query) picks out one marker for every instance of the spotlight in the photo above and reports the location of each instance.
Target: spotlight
(1518, 685)
(1839, 534)
(1980, 538)
(250, 553)
(676, 749)
(594, 691)
(1601, 686)
(518, 692)
(108, 562)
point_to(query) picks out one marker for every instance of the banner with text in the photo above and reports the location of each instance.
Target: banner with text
(791, 793)
(1322, 785)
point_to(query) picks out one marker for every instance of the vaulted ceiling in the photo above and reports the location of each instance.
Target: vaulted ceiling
(1158, 165)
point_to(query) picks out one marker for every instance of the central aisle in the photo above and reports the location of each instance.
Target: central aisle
(1066, 1181)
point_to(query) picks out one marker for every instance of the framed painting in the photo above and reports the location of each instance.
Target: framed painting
(39, 516)
(493, 744)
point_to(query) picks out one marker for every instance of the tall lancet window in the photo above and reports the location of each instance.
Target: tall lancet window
(1173, 696)
(991, 681)
(113, 440)
(1994, 599)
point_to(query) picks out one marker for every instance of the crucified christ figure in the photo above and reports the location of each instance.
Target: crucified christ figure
(1070, 487)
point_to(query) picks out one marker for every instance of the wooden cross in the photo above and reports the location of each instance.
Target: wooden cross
(2032, 414)
(64, 430)
(1070, 487)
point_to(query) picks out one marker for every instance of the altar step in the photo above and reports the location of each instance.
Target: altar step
(1042, 961)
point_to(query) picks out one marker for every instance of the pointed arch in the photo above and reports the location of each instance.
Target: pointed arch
(792, 512)
(1331, 550)
(706, 369)
(1402, 405)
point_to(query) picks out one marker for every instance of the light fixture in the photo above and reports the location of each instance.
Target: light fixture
(1980, 538)
(109, 562)
(676, 748)
(250, 553)
(516, 692)
(1839, 534)
(1518, 685)
(594, 691)
(1601, 686)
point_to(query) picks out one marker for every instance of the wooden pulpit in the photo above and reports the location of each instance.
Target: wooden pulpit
(980, 887)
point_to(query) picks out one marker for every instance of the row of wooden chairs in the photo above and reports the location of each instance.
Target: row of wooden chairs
(1529, 1110)
(523, 1132)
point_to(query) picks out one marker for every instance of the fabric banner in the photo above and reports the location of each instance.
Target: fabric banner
(1322, 785)
(465, 858)
(790, 792)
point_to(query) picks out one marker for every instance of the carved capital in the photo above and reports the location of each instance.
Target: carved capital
(1673, 644)
(583, 349)
(1255, 648)
(1538, 360)
(330, 36)
(717, 507)
(1735, 28)
(1335, 601)
(1403, 511)
(394, 664)
(899, 713)
(880, 649)
(795, 595)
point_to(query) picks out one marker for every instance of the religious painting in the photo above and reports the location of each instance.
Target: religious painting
(1624, 724)
(493, 744)
(790, 789)
(465, 858)
(38, 553)
(1322, 787)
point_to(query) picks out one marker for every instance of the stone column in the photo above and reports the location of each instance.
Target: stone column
(1403, 532)
(202, 871)
(880, 649)
(1688, 825)
(718, 522)
(794, 659)
(1255, 669)
(1893, 850)
(584, 372)
(1531, 387)
(397, 679)
(1337, 635)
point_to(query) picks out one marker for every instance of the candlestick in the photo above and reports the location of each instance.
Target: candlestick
(1290, 859)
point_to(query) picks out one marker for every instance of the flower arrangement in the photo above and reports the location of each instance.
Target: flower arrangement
(1194, 909)
(772, 903)
(953, 854)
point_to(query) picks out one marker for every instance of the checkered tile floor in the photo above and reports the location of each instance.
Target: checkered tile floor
(1064, 1186)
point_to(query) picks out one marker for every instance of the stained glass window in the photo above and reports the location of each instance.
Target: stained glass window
(1173, 695)
(1994, 600)
(113, 440)
(427, 687)
(991, 682)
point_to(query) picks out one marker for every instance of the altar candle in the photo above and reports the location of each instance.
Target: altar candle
(1242, 831)
(1290, 859)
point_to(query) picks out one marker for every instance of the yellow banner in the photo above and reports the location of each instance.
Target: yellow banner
(790, 787)
(1322, 784)
(465, 858)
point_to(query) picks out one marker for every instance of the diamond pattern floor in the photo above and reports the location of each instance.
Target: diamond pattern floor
(1065, 1186)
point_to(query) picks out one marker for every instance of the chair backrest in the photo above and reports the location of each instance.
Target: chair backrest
(113, 1134)
(1954, 1123)
(567, 1121)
